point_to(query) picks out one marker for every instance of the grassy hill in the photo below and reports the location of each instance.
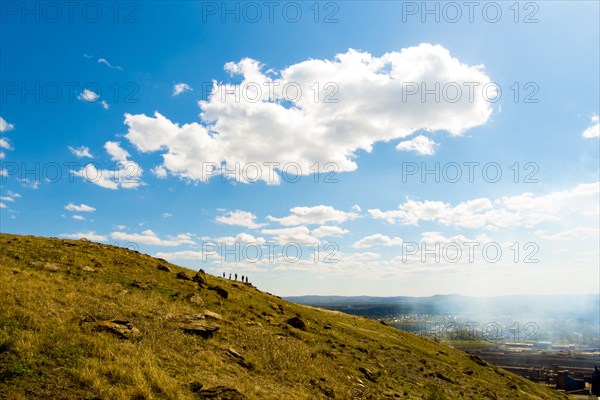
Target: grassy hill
(82, 320)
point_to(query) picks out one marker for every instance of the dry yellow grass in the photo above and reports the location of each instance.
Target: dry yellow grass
(46, 350)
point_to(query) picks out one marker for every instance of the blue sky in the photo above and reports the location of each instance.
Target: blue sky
(110, 122)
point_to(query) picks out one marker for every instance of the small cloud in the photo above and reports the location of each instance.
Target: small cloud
(109, 65)
(6, 198)
(5, 126)
(116, 152)
(356, 208)
(4, 144)
(91, 235)
(105, 105)
(421, 145)
(88, 95)
(79, 208)
(78, 217)
(594, 130)
(167, 215)
(85, 55)
(160, 172)
(179, 88)
(81, 152)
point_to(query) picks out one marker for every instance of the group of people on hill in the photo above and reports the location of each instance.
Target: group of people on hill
(236, 277)
(596, 381)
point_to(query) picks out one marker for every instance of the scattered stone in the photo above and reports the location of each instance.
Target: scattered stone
(84, 239)
(221, 393)
(163, 267)
(478, 360)
(238, 358)
(140, 285)
(212, 315)
(122, 329)
(85, 268)
(382, 322)
(51, 267)
(368, 374)
(220, 291)
(183, 276)
(441, 376)
(297, 323)
(195, 299)
(468, 372)
(253, 323)
(200, 278)
(200, 328)
(196, 386)
(327, 326)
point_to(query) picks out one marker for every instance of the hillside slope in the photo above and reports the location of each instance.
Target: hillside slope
(85, 320)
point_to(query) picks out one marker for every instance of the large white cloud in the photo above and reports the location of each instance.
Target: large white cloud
(524, 210)
(313, 215)
(345, 105)
(125, 174)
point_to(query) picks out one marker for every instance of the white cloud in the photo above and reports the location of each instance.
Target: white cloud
(148, 237)
(116, 152)
(421, 145)
(105, 105)
(298, 235)
(88, 235)
(594, 130)
(316, 215)
(160, 172)
(167, 215)
(109, 65)
(377, 240)
(3, 172)
(7, 198)
(78, 217)
(88, 95)
(179, 88)
(79, 208)
(127, 175)
(362, 100)
(5, 126)
(2, 205)
(356, 208)
(4, 144)
(181, 255)
(327, 231)
(241, 238)
(81, 152)
(524, 210)
(570, 234)
(239, 218)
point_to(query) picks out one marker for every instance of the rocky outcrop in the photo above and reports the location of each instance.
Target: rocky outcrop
(220, 291)
(122, 329)
(220, 393)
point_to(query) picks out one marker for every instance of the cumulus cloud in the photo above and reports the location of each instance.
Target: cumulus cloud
(4, 144)
(421, 145)
(90, 235)
(377, 240)
(5, 126)
(81, 152)
(362, 99)
(328, 231)
(78, 217)
(594, 130)
(148, 237)
(239, 218)
(524, 210)
(79, 208)
(126, 175)
(179, 88)
(240, 238)
(116, 152)
(88, 95)
(297, 235)
(317, 215)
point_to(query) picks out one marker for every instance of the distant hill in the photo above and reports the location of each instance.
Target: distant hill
(82, 320)
(586, 306)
